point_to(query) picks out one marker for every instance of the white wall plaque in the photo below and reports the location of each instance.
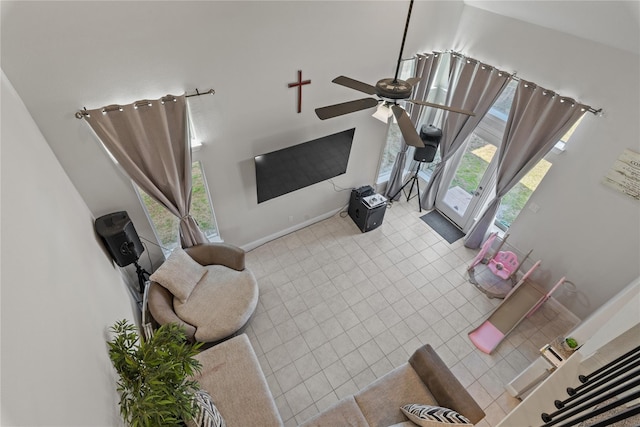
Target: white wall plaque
(624, 176)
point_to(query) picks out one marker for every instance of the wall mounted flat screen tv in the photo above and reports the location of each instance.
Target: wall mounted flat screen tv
(292, 168)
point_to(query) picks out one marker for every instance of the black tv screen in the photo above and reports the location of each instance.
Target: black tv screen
(292, 168)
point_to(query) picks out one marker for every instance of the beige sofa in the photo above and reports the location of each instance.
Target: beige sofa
(220, 303)
(233, 377)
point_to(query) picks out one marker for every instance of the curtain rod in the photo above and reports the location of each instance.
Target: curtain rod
(80, 114)
(598, 112)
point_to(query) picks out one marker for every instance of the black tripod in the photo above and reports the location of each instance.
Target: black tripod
(143, 276)
(430, 136)
(413, 181)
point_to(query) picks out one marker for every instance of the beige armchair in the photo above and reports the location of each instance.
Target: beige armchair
(220, 297)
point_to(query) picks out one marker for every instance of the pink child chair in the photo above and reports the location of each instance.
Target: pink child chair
(504, 264)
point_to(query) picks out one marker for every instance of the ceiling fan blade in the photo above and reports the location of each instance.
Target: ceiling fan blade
(355, 84)
(443, 107)
(345, 108)
(409, 132)
(413, 80)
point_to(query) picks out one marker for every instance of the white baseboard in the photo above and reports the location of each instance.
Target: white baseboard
(266, 239)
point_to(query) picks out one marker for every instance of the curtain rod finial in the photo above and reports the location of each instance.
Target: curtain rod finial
(81, 114)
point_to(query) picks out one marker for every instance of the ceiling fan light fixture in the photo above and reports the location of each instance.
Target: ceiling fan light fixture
(383, 112)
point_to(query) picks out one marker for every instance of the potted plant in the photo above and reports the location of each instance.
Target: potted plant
(570, 344)
(154, 383)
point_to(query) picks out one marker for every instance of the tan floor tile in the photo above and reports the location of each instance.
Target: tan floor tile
(318, 386)
(327, 401)
(492, 383)
(307, 366)
(336, 374)
(358, 304)
(495, 414)
(288, 377)
(306, 414)
(480, 394)
(298, 398)
(342, 345)
(507, 402)
(359, 334)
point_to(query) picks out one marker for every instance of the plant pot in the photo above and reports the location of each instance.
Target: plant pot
(566, 347)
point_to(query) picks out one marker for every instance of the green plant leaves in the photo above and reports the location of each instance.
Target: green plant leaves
(154, 383)
(571, 342)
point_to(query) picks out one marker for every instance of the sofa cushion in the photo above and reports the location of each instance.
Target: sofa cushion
(231, 374)
(207, 415)
(345, 413)
(179, 274)
(433, 416)
(381, 400)
(221, 304)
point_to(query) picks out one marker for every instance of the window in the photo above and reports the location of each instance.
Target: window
(562, 144)
(393, 145)
(165, 224)
(394, 138)
(493, 128)
(391, 149)
(513, 202)
(477, 168)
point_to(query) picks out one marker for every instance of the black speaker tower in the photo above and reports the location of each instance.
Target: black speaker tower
(430, 136)
(121, 239)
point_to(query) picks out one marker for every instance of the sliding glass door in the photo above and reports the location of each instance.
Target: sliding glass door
(470, 179)
(468, 183)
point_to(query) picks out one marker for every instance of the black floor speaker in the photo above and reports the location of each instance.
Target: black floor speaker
(120, 237)
(365, 217)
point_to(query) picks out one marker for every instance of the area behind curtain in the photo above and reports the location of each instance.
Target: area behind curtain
(150, 141)
(537, 120)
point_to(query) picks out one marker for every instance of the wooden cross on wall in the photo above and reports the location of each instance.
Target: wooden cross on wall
(299, 85)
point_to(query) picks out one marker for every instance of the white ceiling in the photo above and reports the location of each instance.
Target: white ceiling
(612, 23)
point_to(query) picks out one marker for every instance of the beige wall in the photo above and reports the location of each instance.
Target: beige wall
(249, 51)
(97, 53)
(60, 291)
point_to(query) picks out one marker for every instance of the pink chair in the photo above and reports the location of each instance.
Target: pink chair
(504, 264)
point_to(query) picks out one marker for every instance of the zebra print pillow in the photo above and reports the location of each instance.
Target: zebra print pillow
(434, 416)
(207, 415)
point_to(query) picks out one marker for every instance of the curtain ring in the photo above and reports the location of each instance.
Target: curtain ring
(110, 108)
(142, 103)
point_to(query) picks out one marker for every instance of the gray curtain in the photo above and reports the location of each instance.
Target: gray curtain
(150, 141)
(537, 120)
(476, 87)
(426, 68)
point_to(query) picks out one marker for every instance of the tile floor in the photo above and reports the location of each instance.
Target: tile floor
(339, 308)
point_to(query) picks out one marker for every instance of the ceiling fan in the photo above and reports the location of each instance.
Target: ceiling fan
(389, 91)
